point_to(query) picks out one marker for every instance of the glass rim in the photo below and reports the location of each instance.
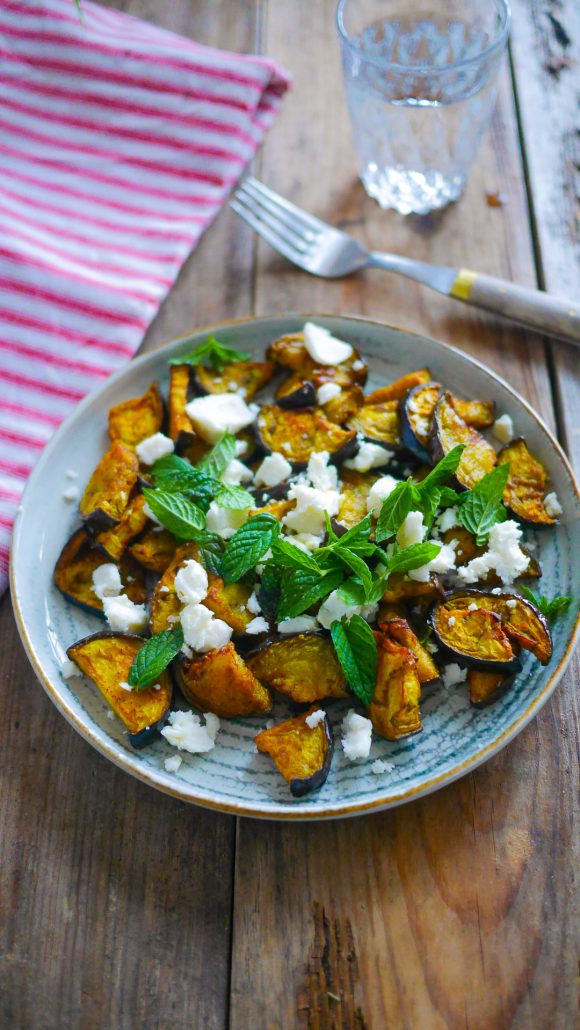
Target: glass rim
(431, 69)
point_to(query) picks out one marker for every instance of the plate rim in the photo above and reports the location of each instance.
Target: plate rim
(278, 811)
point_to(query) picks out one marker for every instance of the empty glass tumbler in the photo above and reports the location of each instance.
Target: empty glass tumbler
(420, 82)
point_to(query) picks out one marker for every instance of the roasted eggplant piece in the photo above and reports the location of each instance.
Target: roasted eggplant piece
(181, 429)
(467, 549)
(276, 508)
(107, 493)
(303, 666)
(399, 389)
(344, 407)
(165, 605)
(526, 486)
(228, 602)
(114, 541)
(302, 754)
(290, 352)
(296, 434)
(394, 709)
(477, 414)
(399, 630)
(106, 659)
(417, 411)
(221, 682)
(448, 430)
(154, 549)
(473, 637)
(296, 392)
(136, 419)
(379, 423)
(73, 573)
(487, 687)
(522, 622)
(401, 588)
(353, 499)
(245, 376)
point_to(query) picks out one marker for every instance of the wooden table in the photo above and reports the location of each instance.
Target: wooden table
(122, 908)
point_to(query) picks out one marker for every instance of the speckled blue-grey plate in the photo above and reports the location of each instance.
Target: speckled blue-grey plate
(233, 777)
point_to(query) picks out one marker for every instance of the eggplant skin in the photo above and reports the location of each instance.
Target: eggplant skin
(180, 428)
(522, 622)
(302, 754)
(417, 409)
(296, 392)
(448, 430)
(476, 639)
(526, 485)
(73, 573)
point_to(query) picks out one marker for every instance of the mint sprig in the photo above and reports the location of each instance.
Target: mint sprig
(395, 508)
(290, 556)
(176, 475)
(248, 545)
(216, 461)
(550, 609)
(234, 497)
(356, 650)
(301, 588)
(179, 515)
(268, 592)
(404, 559)
(212, 353)
(482, 506)
(153, 658)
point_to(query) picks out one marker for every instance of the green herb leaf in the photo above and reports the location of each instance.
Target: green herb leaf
(355, 564)
(216, 461)
(175, 512)
(352, 592)
(176, 475)
(449, 498)
(302, 588)
(153, 658)
(356, 651)
(212, 353)
(412, 557)
(291, 557)
(395, 508)
(551, 609)
(268, 592)
(248, 545)
(483, 506)
(234, 497)
(442, 471)
(211, 548)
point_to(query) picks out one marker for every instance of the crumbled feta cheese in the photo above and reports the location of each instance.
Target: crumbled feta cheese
(369, 456)
(327, 392)
(321, 474)
(412, 531)
(110, 715)
(219, 413)
(224, 521)
(552, 505)
(71, 474)
(153, 448)
(164, 589)
(311, 504)
(451, 621)
(187, 732)
(453, 674)
(323, 347)
(300, 624)
(379, 767)
(307, 542)
(503, 429)
(472, 607)
(504, 554)
(511, 603)
(172, 764)
(334, 608)
(201, 631)
(237, 473)
(241, 448)
(253, 604)
(191, 582)
(314, 718)
(68, 669)
(125, 686)
(257, 625)
(123, 615)
(273, 470)
(443, 562)
(107, 581)
(447, 520)
(431, 646)
(71, 494)
(378, 492)
(358, 365)
(356, 740)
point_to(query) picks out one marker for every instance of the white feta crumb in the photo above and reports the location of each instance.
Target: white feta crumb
(201, 631)
(71, 494)
(125, 686)
(412, 531)
(323, 347)
(451, 621)
(123, 615)
(356, 739)
(496, 590)
(503, 429)
(322, 475)
(447, 520)
(110, 714)
(378, 492)
(472, 607)
(71, 474)
(369, 456)
(241, 448)
(511, 603)
(504, 555)
(358, 365)
(219, 413)
(186, 732)
(257, 625)
(172, 764)
(299, 624)
(232, 385)
(253, 604)
(273, 470)
(191, 582)
(379, 767)
(327, 392)
(224, 521)
(237, 473)
(311, 504)
(314, 718)
(333, 608)
(107, 581)
(552, 505)
(152, 448)
(68, 669)
(431, 646)
(452, 675)
(164, 589)
(307, 542)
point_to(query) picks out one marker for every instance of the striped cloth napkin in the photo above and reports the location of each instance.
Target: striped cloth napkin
(118, 144)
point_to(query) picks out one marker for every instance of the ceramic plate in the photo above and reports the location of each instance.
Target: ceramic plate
(234, 777)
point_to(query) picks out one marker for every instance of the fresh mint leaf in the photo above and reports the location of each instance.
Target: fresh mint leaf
(212, 353)
(483, 506)
(352, 592)
(176, 475)
(268, 593)
(395, 508)
(153, 658)
(248, 545)
(175, 512)
(211, 548)
(355, 564)
(301, 588)
(291, 557)
(449, 498)
(356, 650)
(412, 557)
(216, 461)
(442, 471)
(234, 497)
(550, 609)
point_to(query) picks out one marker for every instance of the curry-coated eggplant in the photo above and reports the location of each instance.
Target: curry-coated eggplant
(399, 389)
(165, 606)
(221, 682)
(487, 687)
(301, 753)
(448, 430)
(78, 560)
(526, 485)
(356, 487)
(289, 352)
(246, 376)
(394, 709)
(154, 549)
(180, 429)
(303, 666)
(115, 540)
(228, 601)
(345, 406)
(522, 621)
(107, 492)
(417, 410)
(276, 508)
(296, 434)
(379, 423)
(477, 414)
(296, 392)
(399, 630)
(134, 420)
(474, 637)
(106, 659)
(401, 588)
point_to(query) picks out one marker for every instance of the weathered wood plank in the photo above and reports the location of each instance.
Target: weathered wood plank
(447, 912)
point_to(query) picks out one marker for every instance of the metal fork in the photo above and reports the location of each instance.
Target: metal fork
(321, 250)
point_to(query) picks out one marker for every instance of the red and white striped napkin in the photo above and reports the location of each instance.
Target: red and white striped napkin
(118, 144)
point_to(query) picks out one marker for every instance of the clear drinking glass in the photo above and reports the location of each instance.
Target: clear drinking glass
(420, 78)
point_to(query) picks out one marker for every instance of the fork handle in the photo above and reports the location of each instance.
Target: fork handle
(533, 308)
